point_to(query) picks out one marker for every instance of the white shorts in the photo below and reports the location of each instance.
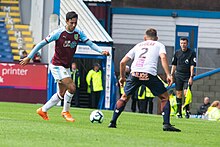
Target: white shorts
(59, 72)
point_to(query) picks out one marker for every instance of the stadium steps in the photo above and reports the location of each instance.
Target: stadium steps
(11, 8)
(12, 14)
(9, 2)
(83, 98)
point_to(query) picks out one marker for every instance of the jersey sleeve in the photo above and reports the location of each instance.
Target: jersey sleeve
(174, 60)
(193, 59)
(162, 49)
(131, 53)
(83, 36)
(53, 36)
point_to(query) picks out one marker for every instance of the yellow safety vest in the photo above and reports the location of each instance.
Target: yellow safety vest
(94, 81)
(141, 97)
(149, 93)
(173, 105)
(122, 89)
(75, 77)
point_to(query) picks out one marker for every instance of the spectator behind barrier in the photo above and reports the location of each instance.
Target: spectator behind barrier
(204, 107)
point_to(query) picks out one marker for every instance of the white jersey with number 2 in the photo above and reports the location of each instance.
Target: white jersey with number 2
(146, 55)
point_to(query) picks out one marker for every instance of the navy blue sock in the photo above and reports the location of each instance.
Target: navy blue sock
(119, 107)
(166, 113)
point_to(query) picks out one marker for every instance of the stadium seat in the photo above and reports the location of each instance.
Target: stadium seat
(3, 30)
(3, 36)
(20, 27)
(4, 42)
(8, 49)
(12, 14)
(7, 2)
(12, 8)
(2, 25)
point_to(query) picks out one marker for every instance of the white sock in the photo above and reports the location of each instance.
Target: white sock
(67, 101)
(52, 102)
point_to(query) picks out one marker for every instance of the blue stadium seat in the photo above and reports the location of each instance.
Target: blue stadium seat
(6, 57)
(4, 48)
(4, 42)
(3, 30)
(3, 36)
(3, 59)
(2, 24)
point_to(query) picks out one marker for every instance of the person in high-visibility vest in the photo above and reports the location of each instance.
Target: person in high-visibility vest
(75, 75)
(173, 103)
(142, 101)
(145, 96)
(149, 98)
(94, 81)
(213, 112)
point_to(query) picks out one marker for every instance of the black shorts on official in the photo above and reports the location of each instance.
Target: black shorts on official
(153, 83)
(181, 82)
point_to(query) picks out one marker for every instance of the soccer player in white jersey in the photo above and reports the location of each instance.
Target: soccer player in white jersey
(145, 57)
(67, 39)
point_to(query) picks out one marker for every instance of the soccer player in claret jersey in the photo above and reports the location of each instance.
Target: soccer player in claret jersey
(145, 57)
(67, 39)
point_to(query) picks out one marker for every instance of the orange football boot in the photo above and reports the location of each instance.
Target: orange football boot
(67, 116)
(42, 114)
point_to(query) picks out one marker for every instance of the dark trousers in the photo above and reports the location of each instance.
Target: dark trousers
(76, 98)
(94, 99)
(143, 105)
(133, 103)
(150, 102)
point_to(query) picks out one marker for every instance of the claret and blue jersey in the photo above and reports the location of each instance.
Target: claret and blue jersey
(65, 45)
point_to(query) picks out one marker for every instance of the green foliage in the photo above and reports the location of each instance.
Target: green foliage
(21, 126)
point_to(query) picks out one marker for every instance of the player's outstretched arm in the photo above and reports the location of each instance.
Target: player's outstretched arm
(96, 48)
(26, 60)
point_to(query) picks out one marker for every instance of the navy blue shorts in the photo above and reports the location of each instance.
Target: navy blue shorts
(153, 83)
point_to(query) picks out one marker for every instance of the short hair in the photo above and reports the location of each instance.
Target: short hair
(184, 38)
(151, 32)
(96, 64)
(71, 15)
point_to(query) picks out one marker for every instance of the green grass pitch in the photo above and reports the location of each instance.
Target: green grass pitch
(20, 126)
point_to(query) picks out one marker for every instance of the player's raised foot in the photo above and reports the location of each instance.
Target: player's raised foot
(169, 127)
(112, 125)
(67, 116)
(42, 114)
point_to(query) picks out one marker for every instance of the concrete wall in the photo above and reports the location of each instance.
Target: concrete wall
(208, 86)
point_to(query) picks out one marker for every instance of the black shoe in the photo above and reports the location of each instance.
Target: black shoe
(187, 115)
(169, 127)
(112, 125)
(179, 116)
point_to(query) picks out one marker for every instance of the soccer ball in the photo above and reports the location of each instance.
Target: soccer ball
(96, 116)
